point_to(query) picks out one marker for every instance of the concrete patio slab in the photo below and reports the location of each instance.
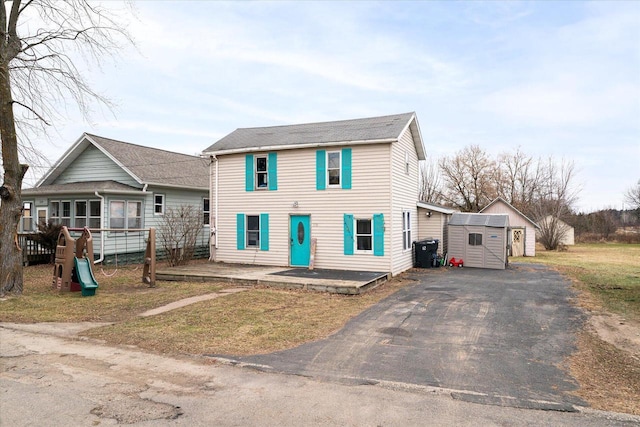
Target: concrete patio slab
(321, 280)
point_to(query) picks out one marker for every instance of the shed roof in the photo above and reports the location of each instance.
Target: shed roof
(146, 165)
(487, 220)
(367, 130)
(437, 208)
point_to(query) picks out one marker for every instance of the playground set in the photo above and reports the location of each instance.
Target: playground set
(73, 268)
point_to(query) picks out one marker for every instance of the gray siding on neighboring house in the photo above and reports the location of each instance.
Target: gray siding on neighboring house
(94, 165)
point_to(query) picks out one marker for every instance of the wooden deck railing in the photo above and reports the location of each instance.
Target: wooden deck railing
(34, 252)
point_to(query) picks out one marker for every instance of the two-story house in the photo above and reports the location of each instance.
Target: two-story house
(342, 192)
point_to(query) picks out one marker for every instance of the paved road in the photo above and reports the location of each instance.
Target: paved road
(48, 377)
(491, 336)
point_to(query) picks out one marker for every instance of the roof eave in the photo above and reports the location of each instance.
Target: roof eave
(417, 136)
(182, 187)
(299, 146)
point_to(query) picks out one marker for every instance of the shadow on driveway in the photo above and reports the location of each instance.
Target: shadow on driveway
(493, 336)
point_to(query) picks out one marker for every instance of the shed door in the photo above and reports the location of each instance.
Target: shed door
(475, 241)
(517, 242)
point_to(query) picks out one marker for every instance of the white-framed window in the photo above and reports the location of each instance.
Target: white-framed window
(27, 216)
(364, 235)
(125, 214)
(406, 230)
(253, 231)
(334, 167)
(94, 213)
(158, 204)
(406, 162)
(80, 214)
(206, 212)
(262, 173)
(61, 213)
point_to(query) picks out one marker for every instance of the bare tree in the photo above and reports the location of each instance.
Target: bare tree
(430, 182)
(556, 195)
(518, 180)
(179, 230)
(632, 196)
(469, 179)
(39, 39)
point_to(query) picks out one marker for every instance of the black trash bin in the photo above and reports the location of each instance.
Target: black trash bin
(425, 253)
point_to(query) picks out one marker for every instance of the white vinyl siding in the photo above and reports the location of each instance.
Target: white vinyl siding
(405, 190)
(433, 227)
(297, 183)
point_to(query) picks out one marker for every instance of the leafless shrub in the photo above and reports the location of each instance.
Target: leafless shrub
(178, 233)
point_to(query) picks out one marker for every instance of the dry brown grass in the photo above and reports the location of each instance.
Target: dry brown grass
(257, 321)
(119, 297)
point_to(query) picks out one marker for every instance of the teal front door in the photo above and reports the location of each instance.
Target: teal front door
(300, 240)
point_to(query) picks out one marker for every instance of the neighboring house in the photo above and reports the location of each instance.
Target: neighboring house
(568, 232)
(480, 240)
(107, 184)
(350, 187)
(432, 223)
(522, 229)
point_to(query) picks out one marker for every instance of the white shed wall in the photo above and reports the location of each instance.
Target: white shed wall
(516, 220)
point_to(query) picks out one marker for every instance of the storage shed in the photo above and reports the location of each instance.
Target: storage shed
(481, 240)
(522, 231)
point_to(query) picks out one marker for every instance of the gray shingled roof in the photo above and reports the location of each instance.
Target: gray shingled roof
(368, 129)
(155, 166)
(147, 165)
(79, 188)
(489, 220)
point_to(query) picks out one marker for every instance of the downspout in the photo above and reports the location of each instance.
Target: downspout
(102, 234)
(215, 199)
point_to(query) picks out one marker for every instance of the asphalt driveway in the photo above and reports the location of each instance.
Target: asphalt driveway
(490, 336)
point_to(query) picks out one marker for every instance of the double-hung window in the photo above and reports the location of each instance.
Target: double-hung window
(364, 235)
(253, 231)
(206, 212)
(262, 174)
(406, 230)
(94, 214)
(81, 214)
(158, 204)
(333, 168)
(61, 213)
(27, 216)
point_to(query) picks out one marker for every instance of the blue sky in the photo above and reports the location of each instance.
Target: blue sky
(557, 79)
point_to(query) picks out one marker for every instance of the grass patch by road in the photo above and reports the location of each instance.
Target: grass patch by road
(255, 321)
(260, 320)
(609, 272)
(120, 297)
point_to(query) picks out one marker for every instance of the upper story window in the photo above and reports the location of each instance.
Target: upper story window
(333, 168)
(406, 162)
(158, 204)
(262, 173)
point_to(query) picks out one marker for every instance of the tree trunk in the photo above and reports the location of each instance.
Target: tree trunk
(11, 195)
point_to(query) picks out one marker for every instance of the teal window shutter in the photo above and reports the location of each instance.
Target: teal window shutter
(346, 168)
(321, 169)
(240, 231)
(273, 171)
(348, 234)
(264, 232)
(378, 234)
(249, 172)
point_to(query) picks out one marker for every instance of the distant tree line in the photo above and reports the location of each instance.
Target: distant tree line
(539, 187)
